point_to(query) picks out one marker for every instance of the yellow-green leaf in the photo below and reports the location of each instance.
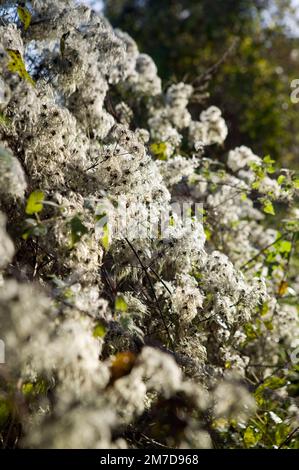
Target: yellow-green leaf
(281, 433)
(4, 120)
(171, 221)
(99, 331)
(27, 388)
(120, 304)
(284, 246)
(35, 202)
(159, 150)
(251, 436)
(268, 159)
(16, 65)
(208, 233)
(268, 207)
(25, 16)
(281, 179)
(105, 237)
(274, 382)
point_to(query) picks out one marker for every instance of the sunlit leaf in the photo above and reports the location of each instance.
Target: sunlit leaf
(105, 238)
(120, 304)
(250, 331)
(265, 308)
(5, 121)
(252, 436)
(159, 150)
(208, 233)
(281, 179)
(33, 389)
(171, 221)
(99, 331)
(25, 16)
(35, 202)
(16, 65)
(268, 207)
(284, 246)
(269, 164)
(274, 382)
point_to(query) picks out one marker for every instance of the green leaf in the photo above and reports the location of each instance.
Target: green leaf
(34, 389)
(281, 433)
(250, 331)
(267, 159)
(171, 221)
(27, 388)
(208, 233)
(269, 164)
(16, 65)
(284, 246)
(35, 202)
(159, 150)
(252, 436)
(265, 308)
(256, 185)
(5, 121)
(77, 230)
(99, 331)
(120, 304)
(105, 237)
(281, 179)
(269, 325)
(25, 16)
(274, 382)
(268, 207)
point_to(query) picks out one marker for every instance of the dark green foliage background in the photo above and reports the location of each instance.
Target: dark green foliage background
(251, 86)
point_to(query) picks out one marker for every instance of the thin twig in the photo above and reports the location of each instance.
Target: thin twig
(153, 291)
(262, 250)
(289, 437)
(205, 75)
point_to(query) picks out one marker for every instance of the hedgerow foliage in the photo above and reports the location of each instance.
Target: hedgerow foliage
(184, 339)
